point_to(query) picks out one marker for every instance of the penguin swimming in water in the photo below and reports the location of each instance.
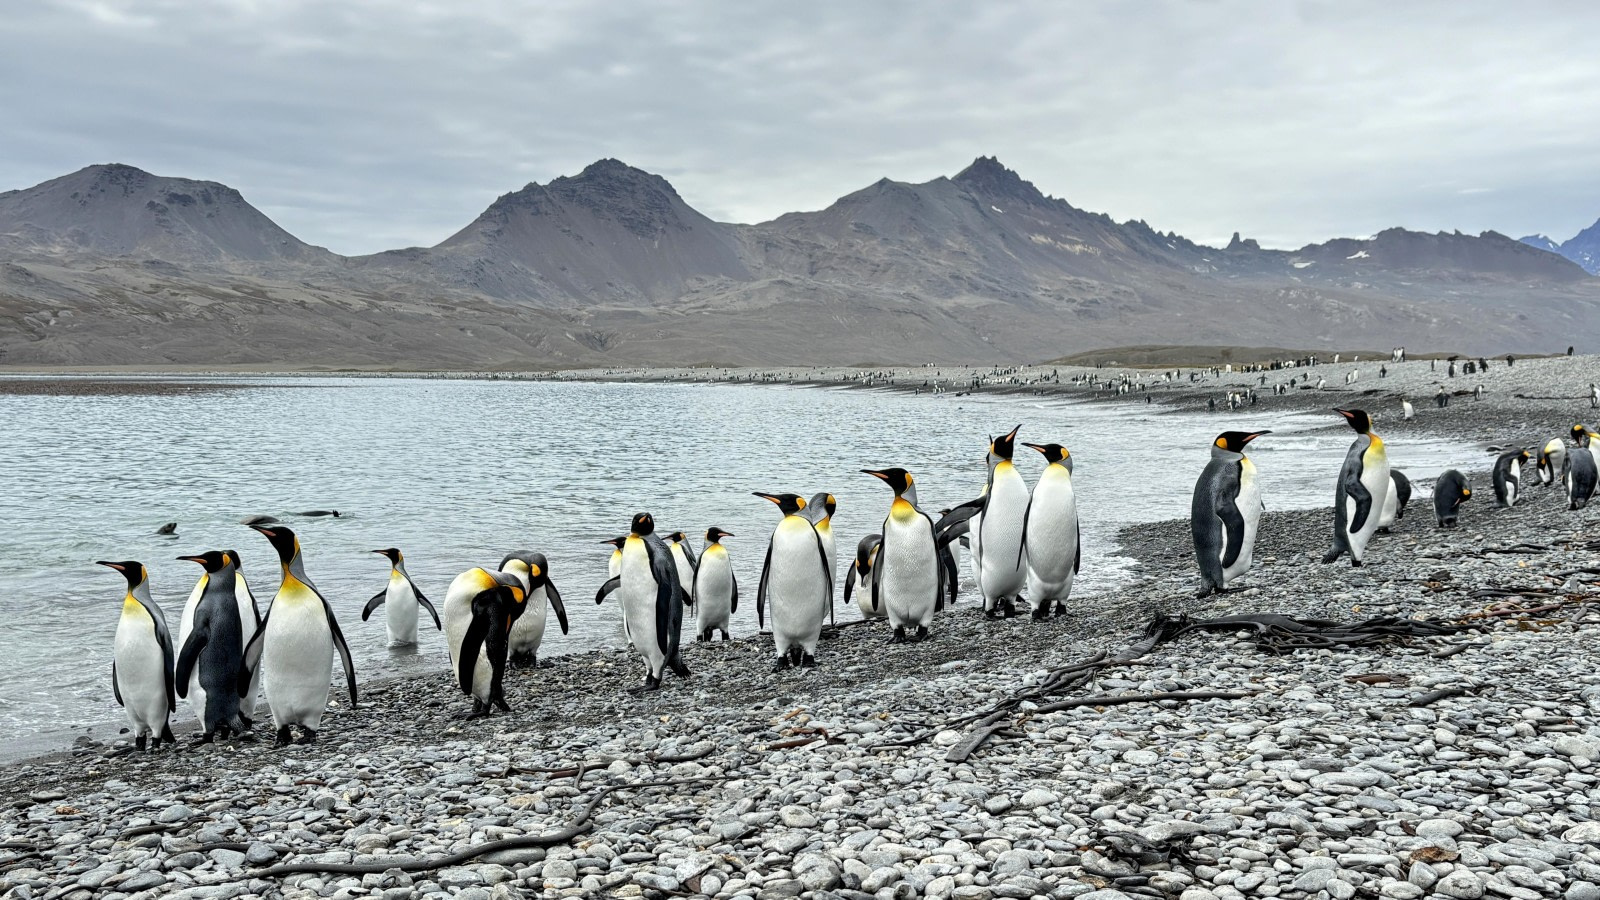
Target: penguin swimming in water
(1359, 495)
(1225, 512)
(295, 645)
(480, 609)
(684, 559)
(1050, 537)
(1394, 502)
(143, 660)
(908, 578)
(1552, 461)
(652, 602)
(1450, 491)
(1507, 476)
(1579, 471)
(528, 631)
(819, 512)
(213, 653)
(795, 577)
(400, 600)
(716, 590)
(859, 579)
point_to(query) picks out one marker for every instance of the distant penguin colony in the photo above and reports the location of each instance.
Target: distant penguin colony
(1025, 547)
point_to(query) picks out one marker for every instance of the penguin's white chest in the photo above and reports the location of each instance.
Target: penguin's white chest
(197, 693)
(796, 583)
(141, 670)
(638, 595)
(908, 566)
(1249, 505)
(297, 656)
(1001, 562)
(680, 560)
(400, 610)
(527, 633)
(714, 589)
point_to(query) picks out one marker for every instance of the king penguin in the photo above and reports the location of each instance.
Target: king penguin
(213, 653)
(614, 565)
(1226, 512)
(143, 660)
(1450, 491)
(1359, 495)
(528, 632)
(400, 599)
(1552, 461)
(995, 535)
(1394, 502)
(819, 511)
(250, 623)
(295, 646)
(480, 609)
(652, 602)
(1507, 476)
(859, 579)
(795, 579)
(684, 560)
(716, 590)
(907, 583)
(1579, 472)
(1050, 537)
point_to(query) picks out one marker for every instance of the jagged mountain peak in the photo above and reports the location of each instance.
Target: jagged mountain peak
(986, 175)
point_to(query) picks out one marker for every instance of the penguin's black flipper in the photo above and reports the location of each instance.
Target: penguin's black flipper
(1358, 492)
(958, 516)
(827, 574)
(472, 643)
(1232, 531)
(425, 604)
(375, 602)
(1022, 545)
(191, 654)
(252, 655)
(115, 690)
(168, 659)
(342, 647)
(947, 566)
(849, 582)
(554, 597)
(1077, 553)
(761, 589)
(609, 587)
(669, 593)
(735, 579)
(877, 606)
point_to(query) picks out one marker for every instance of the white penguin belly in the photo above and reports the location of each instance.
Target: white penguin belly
(527, 633)
(680, 560)
(247, 623)
(1052, 539)
(297, 658)
(638, 596)
(141, 672)
(1249, 505)
(400, 610)
(457, 618)
(1002, 564)
(908, 564)
(1375, 478)
(796, 587)
(714, 592)
(863, 593)
(196, 695)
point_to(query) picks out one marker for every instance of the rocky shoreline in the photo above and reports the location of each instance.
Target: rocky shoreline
(1461, 766)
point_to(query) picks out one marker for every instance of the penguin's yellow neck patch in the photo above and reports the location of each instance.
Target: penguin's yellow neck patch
(902, 510)
(132, 607)
(715, 549)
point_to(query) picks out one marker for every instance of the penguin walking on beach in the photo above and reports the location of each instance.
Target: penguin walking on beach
(527, 632)
(401, 599)
(907, 581)
(1450, 491)
(1579, 471)
(213, 652)
(995, 530)
(480, 609)
(684, 559)
(1507, 476)
(819, 511)
(1225, 512)
(1051, 540)
(716, 590)
(1552, 461)
(295, 645)
(1359, 495)
(143, 660)
(795, 579)
(1394, 502)
(652, 601)
(859, 578)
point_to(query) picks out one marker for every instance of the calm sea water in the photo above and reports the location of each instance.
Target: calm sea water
(456, 472)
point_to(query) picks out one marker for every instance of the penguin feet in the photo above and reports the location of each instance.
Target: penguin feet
(139, 742)
(1040, 613)
(807, 661)
(500, 701)
(678, 668)
(1008, 609)
(920, 635)
(307, 736)
(702, 637)
(283, 738)
(1332, 555)
(782, 663)
(651, 683)
(1061, 608)
(479, 710)
(203, 739)
(1356, 563)
(247, 722)
(524, 660)
(899, 635)
(993, 613)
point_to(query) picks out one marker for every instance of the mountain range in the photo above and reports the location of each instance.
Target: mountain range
(111, 265)
(1582, 248)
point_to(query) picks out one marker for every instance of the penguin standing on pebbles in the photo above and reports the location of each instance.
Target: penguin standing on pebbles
(213, 653)
(1552, 461)
(716, 590)
(795, 579)
(684, 559)
(908, 576)
(994, 527)
(1395, 502)
(820, 512)
(1362, 487)
(1579, 473)
(1226, 512)
(1507, 476)
(652, 601)
(1450, 491)
(480, 609)
(1050, 538)
(143, 660)
(527, 633)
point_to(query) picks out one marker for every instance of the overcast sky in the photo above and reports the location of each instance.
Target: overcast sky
(363, 125)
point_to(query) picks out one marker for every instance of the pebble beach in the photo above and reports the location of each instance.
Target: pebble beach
(1462, 764)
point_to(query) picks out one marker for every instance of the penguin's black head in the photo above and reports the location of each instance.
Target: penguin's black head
(643, 524)
(1359, 421)
(677, 537)
(392, 554)
(1053, 453)
(824, 502)
(1579, 434)
(1235, 441)
(790, 504)
(617, 542)
(1006, 444)
(131, 570)
(213, 561)
(283, 541)
(898, 479)
(714, 534)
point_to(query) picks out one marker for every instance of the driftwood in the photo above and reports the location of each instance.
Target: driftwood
(577, 770)
(1442, 694)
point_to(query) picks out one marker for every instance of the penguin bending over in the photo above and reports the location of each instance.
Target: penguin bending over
(400, 600)
(1450, 491)
(819, 512)
(528, 631)
(1508, 476)
(1050, 537)
(1225, 512)
(861, 575)
(684, 559)
(716, 591)
(1579, 471)
(1552, 461)
(480, 609)
(1362, 487)
(213, 653)
(795, 576)
(652, 601)
(295, 645)
(1394, 502)
(908, 577)
(143, 660)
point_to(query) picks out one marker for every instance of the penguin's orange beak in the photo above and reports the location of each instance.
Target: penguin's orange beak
(194, 559)
(1255, 434)
(767, 497)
